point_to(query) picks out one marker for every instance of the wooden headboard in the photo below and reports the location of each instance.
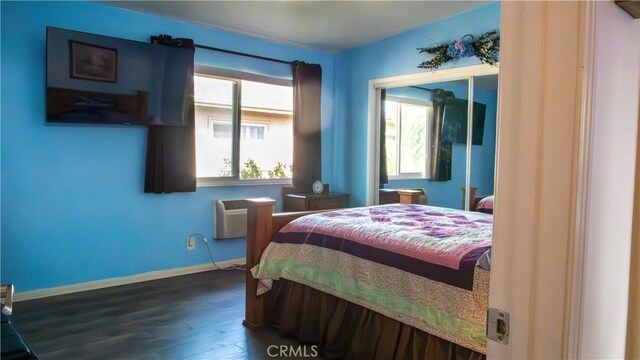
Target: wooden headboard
(474, 199)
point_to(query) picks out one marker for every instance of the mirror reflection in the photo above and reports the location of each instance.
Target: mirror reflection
(428, 142)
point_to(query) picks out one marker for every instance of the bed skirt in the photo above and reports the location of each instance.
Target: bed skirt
(345, 330)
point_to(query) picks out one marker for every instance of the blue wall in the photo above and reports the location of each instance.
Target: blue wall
(73, 209)
(389, 57)
(449, 193)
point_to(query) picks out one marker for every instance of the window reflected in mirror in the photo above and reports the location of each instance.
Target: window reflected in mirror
(429, 141)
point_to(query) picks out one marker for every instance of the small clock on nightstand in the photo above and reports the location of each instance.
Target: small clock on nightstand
(318, 187)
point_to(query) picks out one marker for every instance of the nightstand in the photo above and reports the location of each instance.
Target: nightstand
(394, 196)
(308, 202)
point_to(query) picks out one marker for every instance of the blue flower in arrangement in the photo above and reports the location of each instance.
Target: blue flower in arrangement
(486, 48)
(462, 48)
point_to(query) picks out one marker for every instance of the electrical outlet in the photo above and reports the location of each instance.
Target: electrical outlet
(191, 243)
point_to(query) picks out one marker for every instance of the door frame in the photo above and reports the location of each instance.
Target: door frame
(567, 127)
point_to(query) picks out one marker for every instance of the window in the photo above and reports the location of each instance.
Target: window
(223, 130)
(244, 126)
(407, 138)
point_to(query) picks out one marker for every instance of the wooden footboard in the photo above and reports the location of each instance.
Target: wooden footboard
(262, 225)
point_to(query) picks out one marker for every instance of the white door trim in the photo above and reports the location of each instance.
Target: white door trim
(573, 325)
(546, 154)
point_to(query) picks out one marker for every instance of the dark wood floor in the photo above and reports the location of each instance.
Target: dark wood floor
(195, 316)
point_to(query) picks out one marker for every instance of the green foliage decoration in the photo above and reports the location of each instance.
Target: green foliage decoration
(486, 48)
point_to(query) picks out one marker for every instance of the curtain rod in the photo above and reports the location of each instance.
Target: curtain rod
(242, 54)
(425, 89)
(436, 91)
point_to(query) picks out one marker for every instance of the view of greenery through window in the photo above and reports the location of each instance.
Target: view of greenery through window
(265, 134)
(406, 139)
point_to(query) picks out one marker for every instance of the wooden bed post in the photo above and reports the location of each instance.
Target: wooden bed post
(410, 196)
(262, 225)
(259, 233)
(472, 197)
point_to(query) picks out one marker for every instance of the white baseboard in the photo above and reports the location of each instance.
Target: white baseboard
(124, 280)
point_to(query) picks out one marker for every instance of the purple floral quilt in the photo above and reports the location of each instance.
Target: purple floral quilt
(437, 243)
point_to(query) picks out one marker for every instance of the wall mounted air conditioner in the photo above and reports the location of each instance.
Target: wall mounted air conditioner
(229, 218)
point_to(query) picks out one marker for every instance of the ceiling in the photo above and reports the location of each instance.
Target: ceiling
(321, 25)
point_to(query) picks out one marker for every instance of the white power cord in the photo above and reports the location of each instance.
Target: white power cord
(206, 242)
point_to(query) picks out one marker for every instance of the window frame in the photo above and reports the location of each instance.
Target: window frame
(259, 125)
(237, 77)
(412, 175)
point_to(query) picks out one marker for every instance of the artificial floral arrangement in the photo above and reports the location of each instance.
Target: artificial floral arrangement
(486, 48)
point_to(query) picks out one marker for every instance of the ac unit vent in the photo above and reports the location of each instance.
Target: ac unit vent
(229, 218)
(234, 204)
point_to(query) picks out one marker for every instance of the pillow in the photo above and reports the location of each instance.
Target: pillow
(485, 205)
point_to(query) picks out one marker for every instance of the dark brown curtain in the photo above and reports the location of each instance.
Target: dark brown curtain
(384, 176)
(171, 151)
(307, 146)
(441, 147)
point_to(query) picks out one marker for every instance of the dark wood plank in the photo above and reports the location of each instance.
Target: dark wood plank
(231, 352)
(196, 316)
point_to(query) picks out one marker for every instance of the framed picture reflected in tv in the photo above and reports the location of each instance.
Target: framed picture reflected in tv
(96, 79)
(454, 127)
(93, 62)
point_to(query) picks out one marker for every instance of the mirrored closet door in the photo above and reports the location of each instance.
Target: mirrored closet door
(429, 141)
(483, 148)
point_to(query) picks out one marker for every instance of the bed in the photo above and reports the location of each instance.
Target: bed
(485, 205)
(411, 291)
(481, 203)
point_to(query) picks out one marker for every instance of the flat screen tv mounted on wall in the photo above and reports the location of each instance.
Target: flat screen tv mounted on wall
(95, 79)
(454, 126)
